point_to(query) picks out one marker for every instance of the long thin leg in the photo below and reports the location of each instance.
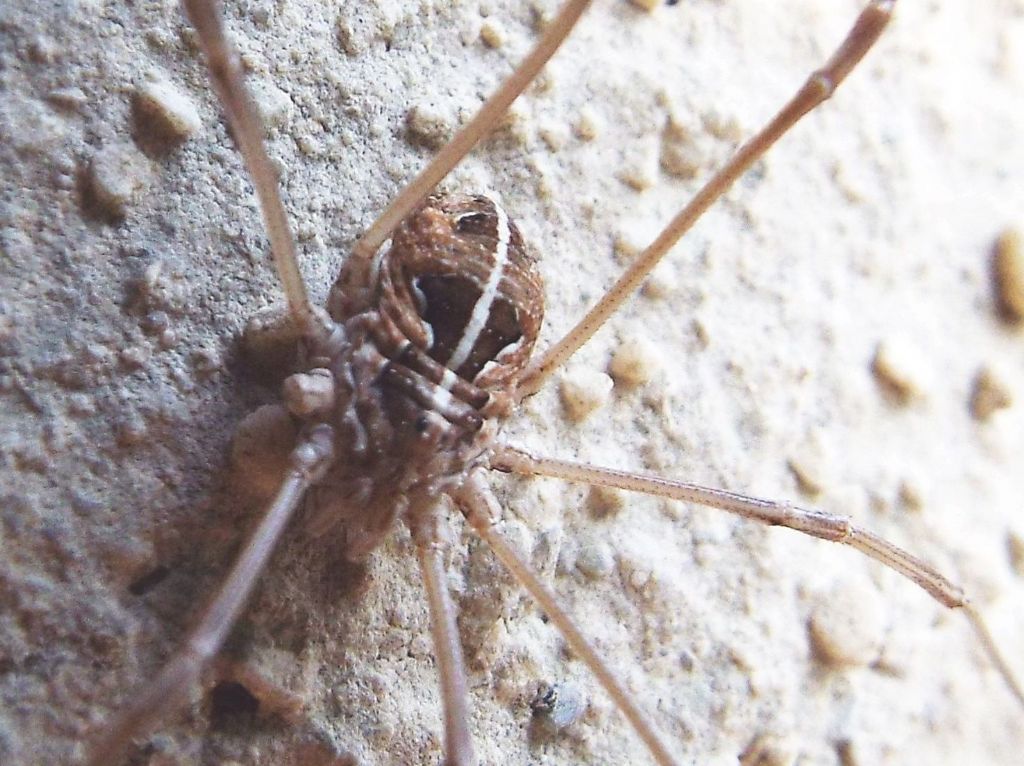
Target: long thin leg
(229, 82)
(473, 132)
(816, 523)
(477, 503)
(819, 87)
(170, 689)
(425, 525)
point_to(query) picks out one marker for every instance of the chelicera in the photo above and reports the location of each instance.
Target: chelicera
(425, 345)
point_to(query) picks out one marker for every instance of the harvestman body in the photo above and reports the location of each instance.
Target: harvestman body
(423, 348)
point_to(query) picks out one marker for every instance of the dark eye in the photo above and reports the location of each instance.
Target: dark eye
(474, 223)
(421, 423)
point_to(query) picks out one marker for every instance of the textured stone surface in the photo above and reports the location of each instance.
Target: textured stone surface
(121, 380)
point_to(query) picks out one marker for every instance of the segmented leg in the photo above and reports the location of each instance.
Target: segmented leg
(170, 689)
(818, 88)
(813, 522)
(226, 73)
(477, 503)
(425, 524)
(463, 142)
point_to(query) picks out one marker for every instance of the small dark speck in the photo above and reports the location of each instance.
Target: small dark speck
(555, 708)
(148, 581)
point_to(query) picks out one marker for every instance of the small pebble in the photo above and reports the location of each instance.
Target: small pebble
(131, 431)
(596, 560)
(118, 175)
(989, 394)
(167, 339)
(809, 471)
(606, 501)
(900, 369)
(133, 358)
(661, 283)
(492, 34)
(1008, 273)
(847, 625)
(554, 136)
(71, 98)
(1015, 546)
(155, 322)
(545, 82)
(357, 34)
(681, 153)
(911, 494)
(421, 646)
(81, 405)
(517, 122)
(43, 50)
(169, 110)
(681, 160)
(641, 579)
(128, 560)
(206, 362)
(308, 145)
(770, 750)
(160, 39)
(722, 127)
(428, 126)
(272, 103)
(633, 238)
(583, 392)
(639, 174)
(587, 125)
(33, 127)
(634, 362)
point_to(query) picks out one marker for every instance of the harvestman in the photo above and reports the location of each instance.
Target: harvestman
(422, 349)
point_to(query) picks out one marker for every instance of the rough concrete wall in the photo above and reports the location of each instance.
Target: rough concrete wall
(130, 262)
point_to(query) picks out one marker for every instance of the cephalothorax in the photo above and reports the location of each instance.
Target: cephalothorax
(417, 367)
(423, 347)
